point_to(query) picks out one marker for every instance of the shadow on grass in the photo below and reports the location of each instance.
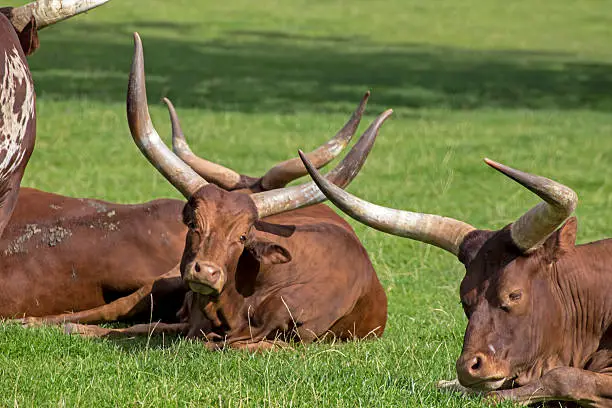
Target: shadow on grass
(274, 71)
(142, 343)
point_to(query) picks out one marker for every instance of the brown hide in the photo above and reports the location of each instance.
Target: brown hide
(307, 278)
(17, 118)
(529, 314)
(64, 254)
(34, 205)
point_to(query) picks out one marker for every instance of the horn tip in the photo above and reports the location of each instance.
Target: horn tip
(494, 164)
(305, 160)
(502, 168)
(383, 117)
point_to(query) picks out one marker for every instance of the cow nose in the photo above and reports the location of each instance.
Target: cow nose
(209, 272)
(471, 369)
(475, 364)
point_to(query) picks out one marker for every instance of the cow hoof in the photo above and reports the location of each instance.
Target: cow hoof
(30, 322)
(84, 330)
(450, 386)
(70, 328)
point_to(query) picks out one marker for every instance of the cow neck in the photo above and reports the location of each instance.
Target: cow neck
(239, 293)
(583, 280)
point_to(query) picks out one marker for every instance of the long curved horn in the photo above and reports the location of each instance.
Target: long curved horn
(146, 137)
(215, 173)
(289, 170)
(47, 12)
(532, 228)
(289, 198)
(443, 232)
(279, 175)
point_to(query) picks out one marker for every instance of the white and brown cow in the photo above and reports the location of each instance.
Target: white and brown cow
(18, 38)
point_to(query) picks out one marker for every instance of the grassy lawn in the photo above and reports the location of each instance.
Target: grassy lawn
(525, 83)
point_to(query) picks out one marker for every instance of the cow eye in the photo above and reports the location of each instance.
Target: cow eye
(192, 225)
(243, 238)
(515, 296)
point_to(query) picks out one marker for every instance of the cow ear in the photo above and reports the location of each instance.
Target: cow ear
(563, 240)
(267, 252)
(276, 229)
(472, 243)
(28, 37)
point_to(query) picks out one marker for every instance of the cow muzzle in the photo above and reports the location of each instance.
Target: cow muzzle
(478, 371)
(205, 278)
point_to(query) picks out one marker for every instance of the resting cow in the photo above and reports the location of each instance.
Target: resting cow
(94, 252)
(298, 275)
(539, 307)
(26, 278)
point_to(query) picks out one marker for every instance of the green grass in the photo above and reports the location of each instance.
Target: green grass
(526, 83)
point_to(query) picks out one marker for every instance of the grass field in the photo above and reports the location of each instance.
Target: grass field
(525, 83)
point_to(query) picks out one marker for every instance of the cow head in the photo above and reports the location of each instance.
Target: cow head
(222, 223)
(510, 291)
(28, 19)
(221, 226)
(514, 310)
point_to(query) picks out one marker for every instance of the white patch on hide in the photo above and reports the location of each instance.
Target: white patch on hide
(14, 125)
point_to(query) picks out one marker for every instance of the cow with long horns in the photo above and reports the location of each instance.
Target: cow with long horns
(115, 261)
(80, 248)
(539, 307)
(260, 273)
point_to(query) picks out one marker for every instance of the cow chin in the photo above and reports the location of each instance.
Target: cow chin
(202, 289)
(488, 385)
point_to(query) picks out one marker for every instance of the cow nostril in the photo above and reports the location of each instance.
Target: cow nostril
(476, 364)
(197, 267)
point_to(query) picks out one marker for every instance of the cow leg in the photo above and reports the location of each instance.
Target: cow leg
(280, 320)
(255, 344)
(585, 388)
(454, 386)
(148, 329)
(123, 308)
(259, 346)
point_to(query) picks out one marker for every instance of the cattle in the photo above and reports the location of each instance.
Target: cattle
(261, 269)
(19, 37)
(539, 307)
(94, 252)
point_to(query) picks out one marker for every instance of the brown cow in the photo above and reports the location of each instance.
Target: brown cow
(539, 307)
(301, 274)
(94, 252)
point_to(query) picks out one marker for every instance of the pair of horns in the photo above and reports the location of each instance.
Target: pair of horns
(188, 182)
(47, 12)
(528, 232)
(279, 175)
